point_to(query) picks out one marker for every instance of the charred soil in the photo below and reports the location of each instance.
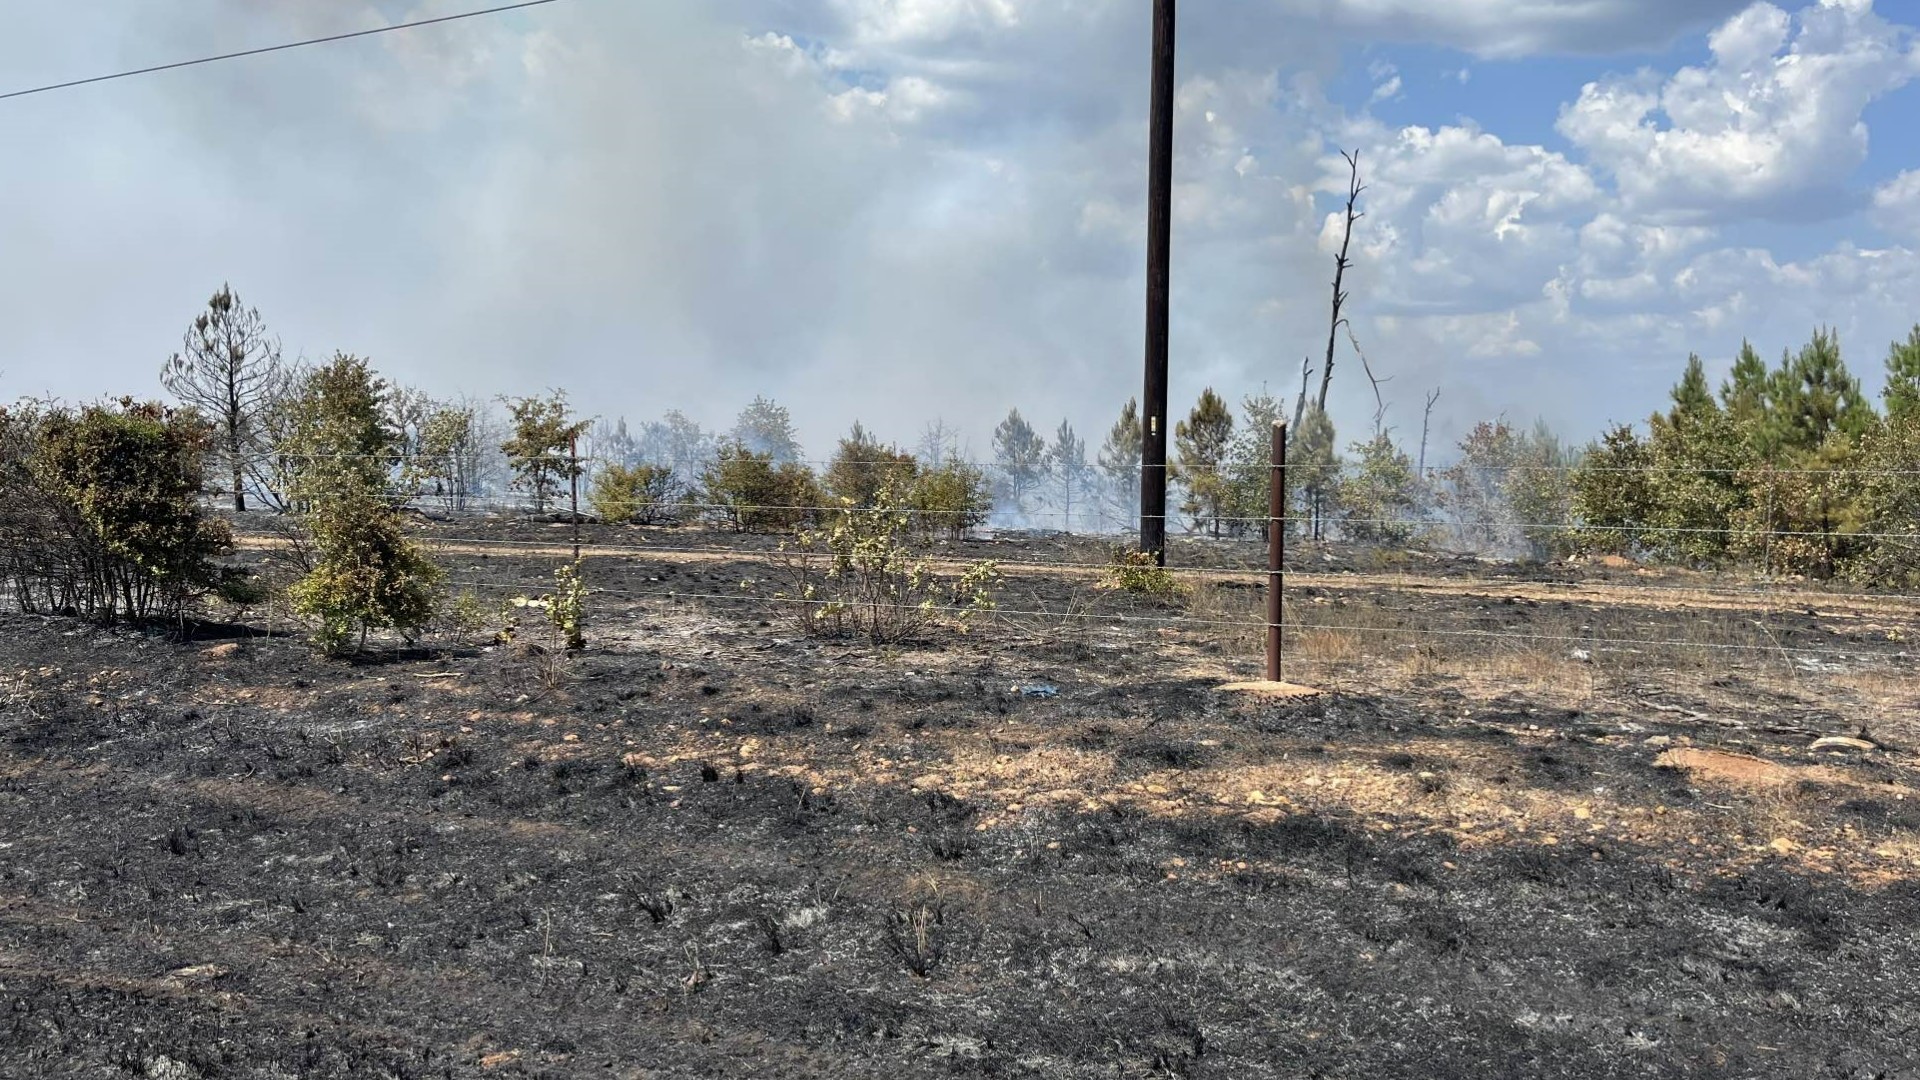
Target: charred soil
(711, 847)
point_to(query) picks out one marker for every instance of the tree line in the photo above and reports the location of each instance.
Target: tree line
(1788, 467)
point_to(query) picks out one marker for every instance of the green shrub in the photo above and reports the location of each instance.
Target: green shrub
(1138, 572)
(100, 511)
(633, 494)
(857, 577)
(365, 574)
(951, 499)
(862, 468)
(746, 491)
(563, 612)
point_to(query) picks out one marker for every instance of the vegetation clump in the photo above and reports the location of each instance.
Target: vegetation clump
(100, 513)
(858, 577)
(363, 572)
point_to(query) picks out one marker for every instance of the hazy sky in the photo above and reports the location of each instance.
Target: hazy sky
(896, 209)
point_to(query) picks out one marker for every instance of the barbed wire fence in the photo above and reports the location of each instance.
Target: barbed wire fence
(1448, 591)
(1487, 588)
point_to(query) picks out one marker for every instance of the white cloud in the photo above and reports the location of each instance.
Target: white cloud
(1505, 28)
(1461, 222)
(1770, 126)
(1896, 205)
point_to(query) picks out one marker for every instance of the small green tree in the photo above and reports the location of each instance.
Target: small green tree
(1250, 464)
(1614, 495)
(100, 511)
(861, 466)
(1379, 502)
(857, 576)
(448, 461)
(1020, 460)
(1889, 501)
(366, 574)
(951, 499)
(1313, 473)
(766, 427)
(1201, 444)
(748, 492)
(1902, 392)
(632, 494)
(1119, 463)
(540, 450)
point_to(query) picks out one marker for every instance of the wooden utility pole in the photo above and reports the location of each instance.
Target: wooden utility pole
(1153, 455)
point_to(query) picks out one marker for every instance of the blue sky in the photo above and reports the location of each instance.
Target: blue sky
(897, 210)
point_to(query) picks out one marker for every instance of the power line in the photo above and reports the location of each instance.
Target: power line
(275, 48)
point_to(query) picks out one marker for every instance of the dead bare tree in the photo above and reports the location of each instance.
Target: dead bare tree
(1379, 401)
(1341, 263)
(1300, 403)
(227, 370)
(1426, 426)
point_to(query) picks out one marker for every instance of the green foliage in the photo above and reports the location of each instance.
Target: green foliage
(100, 511)
(1902, 391)
(563, 612)
(1119, 462)
(632, 494)
(746, 491)
(1614, 497)
(1201, 444)
(540, 450)
(858, 577)
(1889, 505)
(448, 459)
(951, 499)
(1802, 517)
(1380, 498)
(1020, 456)
(767, 428)
(1744, 395)
(1313, 473)
(1510, 491)
(862, 467)
(1695, 489)
(366, 574)
(1809, 398)
(1140, 573)
(1250, 465)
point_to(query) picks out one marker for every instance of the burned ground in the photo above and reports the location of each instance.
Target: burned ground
(712, 848)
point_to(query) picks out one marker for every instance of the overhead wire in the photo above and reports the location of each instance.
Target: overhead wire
(176, 65)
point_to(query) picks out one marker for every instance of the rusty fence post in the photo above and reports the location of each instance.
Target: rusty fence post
(1276, 548)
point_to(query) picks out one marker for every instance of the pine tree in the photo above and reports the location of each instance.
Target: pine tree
(1902, 393)
(862, 469)
(1313, 471)
(767, 428)
(1692, 397)
(1201, 442)
(1120, 463)
(1380, 502)
(1744, 395)
(1020, 454)
(1813, 396)
(1067, 458)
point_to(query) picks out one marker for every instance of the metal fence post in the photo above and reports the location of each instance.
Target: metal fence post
(1276, 548)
